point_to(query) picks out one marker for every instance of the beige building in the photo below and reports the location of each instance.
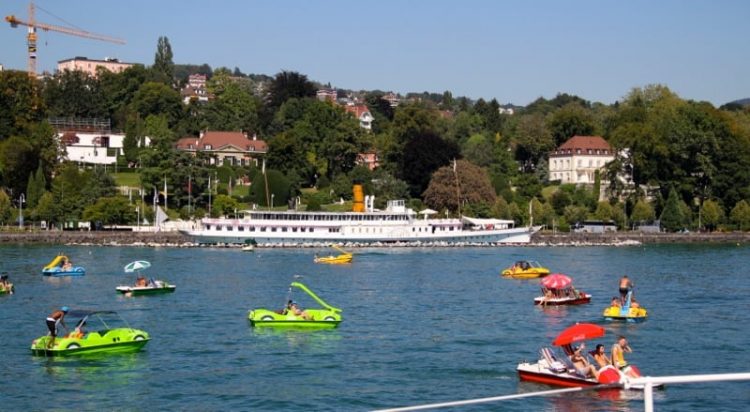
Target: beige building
(89, 66)
(233, 148)
(577, 160)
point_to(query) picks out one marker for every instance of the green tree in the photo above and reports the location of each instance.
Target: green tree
(163, 64)
(419, 162)
(740, 215)
(712, 214)
(501, 209)
(672, 218)
(110, 211)
(46, 209)
(642, 212)
(157, 99)
(35, 188)
(533, 141)
(575, 214)
(479, 150)
(570, 120)
(18, 160)
(6, 208)
(225, 205)
(278, 186)
(21, 104)
(74, 94)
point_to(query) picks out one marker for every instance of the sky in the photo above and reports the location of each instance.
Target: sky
(513, 51)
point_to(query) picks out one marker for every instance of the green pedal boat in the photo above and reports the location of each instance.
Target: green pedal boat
(292, 316)
(83, 342)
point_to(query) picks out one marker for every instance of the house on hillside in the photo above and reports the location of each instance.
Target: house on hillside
(368, 159)
(89, 141)
(362, 113)
(195, 89)
(89, 66)
(577, 160)
(233, 148)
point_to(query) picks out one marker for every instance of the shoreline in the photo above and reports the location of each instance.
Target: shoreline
(177, 239)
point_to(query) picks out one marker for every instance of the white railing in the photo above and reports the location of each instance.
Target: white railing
(649, 382)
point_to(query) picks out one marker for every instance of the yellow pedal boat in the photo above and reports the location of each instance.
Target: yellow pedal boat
(525, 269)
(343, 258)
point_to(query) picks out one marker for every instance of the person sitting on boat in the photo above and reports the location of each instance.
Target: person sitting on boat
(625, 286)
(140, 282)
(5, 284)
(55, 318)
(66, 264)
(600, 356)
(634, 304)
(78, 332)
(548, 296)
(618, 356)
(295, 310)
(615, 302)
(583, 367)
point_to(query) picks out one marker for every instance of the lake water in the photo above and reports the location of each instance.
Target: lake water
(420, 326)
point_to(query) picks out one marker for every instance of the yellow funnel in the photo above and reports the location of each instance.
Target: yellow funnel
(359, 199)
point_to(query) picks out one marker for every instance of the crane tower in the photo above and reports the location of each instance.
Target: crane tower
(31, 37)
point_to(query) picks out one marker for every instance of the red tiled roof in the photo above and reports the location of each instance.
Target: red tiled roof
(186, 142)
(585, 143)
(218, 140)
(357, 109)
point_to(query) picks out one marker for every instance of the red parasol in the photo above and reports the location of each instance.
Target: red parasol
(578, 332)
(556, 281)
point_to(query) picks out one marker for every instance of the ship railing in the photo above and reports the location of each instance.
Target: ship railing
(648, 383)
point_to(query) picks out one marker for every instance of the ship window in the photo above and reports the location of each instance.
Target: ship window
(263, 229)
(208, 227)
(273, 229)
(294, 229)
(252, 228)
(230, 228)
(241, 228)
(283, 229)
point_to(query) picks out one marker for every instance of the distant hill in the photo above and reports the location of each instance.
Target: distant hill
(737, 105)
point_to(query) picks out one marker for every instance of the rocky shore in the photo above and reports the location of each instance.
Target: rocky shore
(176, 239)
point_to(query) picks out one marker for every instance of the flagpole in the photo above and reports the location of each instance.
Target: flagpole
(190, 191)
(265, 178)
(458, 186)
(166, 204)
(209, 194)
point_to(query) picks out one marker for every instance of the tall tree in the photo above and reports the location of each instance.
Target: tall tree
(163, 64)
(672, 217)
(21, 104)
(422, 155)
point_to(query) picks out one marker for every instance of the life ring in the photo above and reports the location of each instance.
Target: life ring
(266, 317)
(329, 318)
(73, 346)
(138, 337)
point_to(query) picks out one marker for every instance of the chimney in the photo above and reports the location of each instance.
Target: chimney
(201, 134)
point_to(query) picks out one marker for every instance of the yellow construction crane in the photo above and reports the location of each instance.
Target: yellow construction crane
(31, 38)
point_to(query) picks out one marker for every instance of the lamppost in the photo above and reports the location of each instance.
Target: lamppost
(272, 196)
(21, 201)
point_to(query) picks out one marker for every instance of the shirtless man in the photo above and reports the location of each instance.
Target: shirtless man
(55, 318)
(625, 286)
(582, 364)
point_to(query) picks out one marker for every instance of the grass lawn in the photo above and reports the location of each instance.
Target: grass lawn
(130, 179)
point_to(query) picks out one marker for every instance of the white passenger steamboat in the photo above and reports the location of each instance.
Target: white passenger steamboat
(364, 225)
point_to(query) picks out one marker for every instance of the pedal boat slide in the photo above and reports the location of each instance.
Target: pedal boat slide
(626, 312)
(327, 317)
(105, 340)
(56, 268)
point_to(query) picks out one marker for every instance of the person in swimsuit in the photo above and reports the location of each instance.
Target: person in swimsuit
(294, 309)
(582, 365)
(600, 356)
(55, 318)
(625, 286)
